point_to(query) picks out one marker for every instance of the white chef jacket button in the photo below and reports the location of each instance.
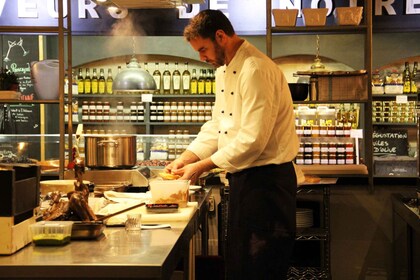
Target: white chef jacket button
(230, 114)
(223, 111)
(222, 90)
(234, 72)
(231, 93)
(225, 132)
(219, 131)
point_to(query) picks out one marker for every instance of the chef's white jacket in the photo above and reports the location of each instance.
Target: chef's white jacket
(253, 121)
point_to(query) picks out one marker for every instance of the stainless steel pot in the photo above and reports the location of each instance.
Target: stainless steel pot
(110, 151)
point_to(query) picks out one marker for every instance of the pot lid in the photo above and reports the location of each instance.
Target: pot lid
(134, 78)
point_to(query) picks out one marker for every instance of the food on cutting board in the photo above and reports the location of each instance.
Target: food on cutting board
(168, 176)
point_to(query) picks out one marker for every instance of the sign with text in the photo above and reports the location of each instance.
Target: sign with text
(390, 142)
(18, 52)
(247, 16)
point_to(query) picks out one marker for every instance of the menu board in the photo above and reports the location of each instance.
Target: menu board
(17, 54)
(390, 142)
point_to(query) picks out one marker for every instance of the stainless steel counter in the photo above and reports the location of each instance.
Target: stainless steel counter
(150, 254)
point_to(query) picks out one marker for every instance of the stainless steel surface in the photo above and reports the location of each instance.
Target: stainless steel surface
(110, 151)
(134, 78)
(149, 254)
(128, 177)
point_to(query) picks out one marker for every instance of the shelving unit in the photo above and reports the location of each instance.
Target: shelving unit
(62, 30)
(365, 29)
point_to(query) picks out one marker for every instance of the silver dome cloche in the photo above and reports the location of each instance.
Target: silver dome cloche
(133, 78)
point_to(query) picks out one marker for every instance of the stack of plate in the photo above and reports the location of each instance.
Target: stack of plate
(304, 217)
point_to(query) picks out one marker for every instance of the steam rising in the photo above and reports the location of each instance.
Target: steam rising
(122, 29)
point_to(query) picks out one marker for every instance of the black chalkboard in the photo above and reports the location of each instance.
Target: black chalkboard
(18, 51)
(390, 142)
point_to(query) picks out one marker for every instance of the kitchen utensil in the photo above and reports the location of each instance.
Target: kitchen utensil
(110, 151)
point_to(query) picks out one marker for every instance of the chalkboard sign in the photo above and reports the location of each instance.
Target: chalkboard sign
(390, 142)
(17, 54)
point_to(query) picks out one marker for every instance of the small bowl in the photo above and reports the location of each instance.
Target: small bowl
(299, 91)
(285, 17)
(315, 17)
(170, 191)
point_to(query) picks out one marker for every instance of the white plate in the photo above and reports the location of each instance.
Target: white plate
(194, 188)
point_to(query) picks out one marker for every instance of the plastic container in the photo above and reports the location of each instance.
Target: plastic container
(170, 191)
(51, 233)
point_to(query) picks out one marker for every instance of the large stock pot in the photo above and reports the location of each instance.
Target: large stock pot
(110, 151)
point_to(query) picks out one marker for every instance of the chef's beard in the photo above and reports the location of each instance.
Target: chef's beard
(220, 56)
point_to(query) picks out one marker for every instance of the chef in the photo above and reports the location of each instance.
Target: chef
(252, 136)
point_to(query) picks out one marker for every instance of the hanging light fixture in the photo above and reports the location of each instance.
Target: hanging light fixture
(317, 65)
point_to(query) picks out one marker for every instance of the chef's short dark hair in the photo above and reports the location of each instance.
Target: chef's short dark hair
(206, 23)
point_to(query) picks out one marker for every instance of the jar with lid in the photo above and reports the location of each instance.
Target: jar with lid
(349, 158)
(85, 105)
(105, 115)
(187, 106)
(201, 116)
(316, 158)
(332, 158)
(92, 116)
(181, 107)
(299, 130)
(167, 116)
(341, 158)
(331, 130)
(201, 106)
(174, 116)
(307, 159)
(307, 131)
(194, 116)
(324, 158)
(207, 115)
(127, 115)
(300, 159)
(308, 147)
(99, 116)
(181, 116)
(187, 116)
(85, 115)
(174, 106)
(194, 106)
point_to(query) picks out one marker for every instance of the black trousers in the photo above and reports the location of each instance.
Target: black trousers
(261, 222)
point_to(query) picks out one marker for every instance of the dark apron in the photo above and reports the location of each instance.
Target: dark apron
(261, 222)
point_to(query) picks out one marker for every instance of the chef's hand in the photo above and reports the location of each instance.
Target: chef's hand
(185, 158)
(194, 170)
(174, 166)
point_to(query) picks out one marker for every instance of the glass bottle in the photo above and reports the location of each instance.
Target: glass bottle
(194, 82)
(94, 82)
(66, 83)
(166, 77)
(87, 82)
(80, 82)
(213, 82)
(109, 82)
(406, 79)
(176, 80)
(157, 77)
(201, 82)
(101, 82)
(208, 83)
(75, 87)
(186, 79)
(414, 79)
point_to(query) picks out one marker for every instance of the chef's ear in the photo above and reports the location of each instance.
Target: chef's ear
(219, 35)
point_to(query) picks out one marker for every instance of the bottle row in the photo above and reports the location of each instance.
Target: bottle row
(393, 112)
(397, 81)
(345, 116)
(169, 81)
(173, 82)
(333, 152)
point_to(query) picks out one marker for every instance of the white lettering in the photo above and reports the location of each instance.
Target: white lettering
(27, 9)
(288, 4)
(328, 4)
(411, 7)
(87, 8)
(387, 4)
(52, 9)
(183, 14)
(2, 3)
(221, 5)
